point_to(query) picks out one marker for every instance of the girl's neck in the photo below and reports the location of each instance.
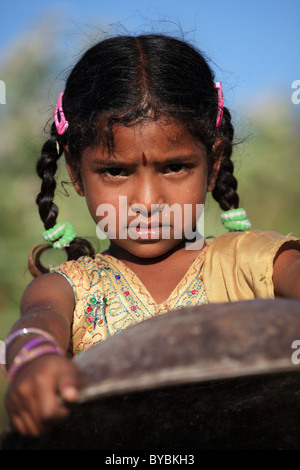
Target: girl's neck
(180, 252)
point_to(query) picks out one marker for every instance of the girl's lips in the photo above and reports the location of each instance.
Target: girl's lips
(148, 232)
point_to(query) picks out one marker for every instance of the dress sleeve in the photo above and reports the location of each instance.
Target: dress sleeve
(239, 265)
(75, 274)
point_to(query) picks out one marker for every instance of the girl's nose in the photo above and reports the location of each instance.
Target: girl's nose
(147, 195)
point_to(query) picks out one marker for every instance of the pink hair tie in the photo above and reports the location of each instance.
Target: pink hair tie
(61, 123)
(218, 85)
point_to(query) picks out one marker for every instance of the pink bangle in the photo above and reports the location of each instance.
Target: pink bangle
(25, 356)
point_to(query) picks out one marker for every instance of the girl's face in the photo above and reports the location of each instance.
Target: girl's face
(145, 195)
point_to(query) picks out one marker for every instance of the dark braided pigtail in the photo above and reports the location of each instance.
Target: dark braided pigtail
(225, 193)
(46, 168)
(226, 184)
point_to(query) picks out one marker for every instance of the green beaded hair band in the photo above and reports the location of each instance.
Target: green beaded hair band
(235, 220)
(61, 235)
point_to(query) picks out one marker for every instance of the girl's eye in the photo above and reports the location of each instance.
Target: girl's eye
(114, 172)
(174, 168)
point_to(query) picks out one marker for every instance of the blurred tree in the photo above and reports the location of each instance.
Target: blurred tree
(32, 73)
(267, 167)
(271, 178)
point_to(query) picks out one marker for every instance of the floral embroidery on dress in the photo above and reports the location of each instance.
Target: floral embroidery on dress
(95, 306)
(110, 297)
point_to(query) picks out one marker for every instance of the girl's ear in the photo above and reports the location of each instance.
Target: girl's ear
(73, 175)
(212, 177)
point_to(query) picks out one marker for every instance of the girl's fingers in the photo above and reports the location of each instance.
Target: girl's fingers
(34, 401)
(37, 398)
(24, 420)
(40, 414)
(69, 383)
(68, 390)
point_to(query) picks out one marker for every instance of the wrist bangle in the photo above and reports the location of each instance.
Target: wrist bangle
(35, 341)
(43, 337)
(27, 331)
(25, 356)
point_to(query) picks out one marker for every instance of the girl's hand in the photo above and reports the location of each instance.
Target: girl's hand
(38, 395)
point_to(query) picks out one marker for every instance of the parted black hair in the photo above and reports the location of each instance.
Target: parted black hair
(125, 80)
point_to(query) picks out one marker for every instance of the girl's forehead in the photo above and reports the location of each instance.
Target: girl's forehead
(162, 126)
(155, 139)
(150, 135)
(147, 154)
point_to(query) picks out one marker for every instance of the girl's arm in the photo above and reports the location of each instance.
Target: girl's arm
(286, 274)
(47, 304)
(38, 392)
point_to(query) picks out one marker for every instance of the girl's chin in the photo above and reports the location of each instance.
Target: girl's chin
(145, 248)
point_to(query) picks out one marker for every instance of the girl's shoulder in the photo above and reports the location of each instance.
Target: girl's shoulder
(253, 240)
(239, 265)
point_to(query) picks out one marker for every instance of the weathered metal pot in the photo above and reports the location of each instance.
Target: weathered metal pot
(219, 376)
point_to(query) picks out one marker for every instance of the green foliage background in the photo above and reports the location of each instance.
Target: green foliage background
(267, 168)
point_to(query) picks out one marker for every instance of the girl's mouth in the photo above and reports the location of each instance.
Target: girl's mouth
(148, 232)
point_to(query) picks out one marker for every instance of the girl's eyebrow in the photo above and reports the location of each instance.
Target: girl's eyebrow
(108, 162)
(181, 158)
(115, 163)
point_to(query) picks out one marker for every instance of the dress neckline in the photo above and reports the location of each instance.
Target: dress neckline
(194, 267)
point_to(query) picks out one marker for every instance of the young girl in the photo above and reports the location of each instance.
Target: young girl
(145, 135)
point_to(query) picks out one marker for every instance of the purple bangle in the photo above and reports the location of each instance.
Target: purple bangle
(34, 342)
(28, 346)
(26, 356)
(43, 337)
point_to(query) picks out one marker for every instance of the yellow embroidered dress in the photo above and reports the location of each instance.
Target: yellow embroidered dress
(110, 297)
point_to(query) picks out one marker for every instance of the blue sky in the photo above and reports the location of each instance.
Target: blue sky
(254, 43)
